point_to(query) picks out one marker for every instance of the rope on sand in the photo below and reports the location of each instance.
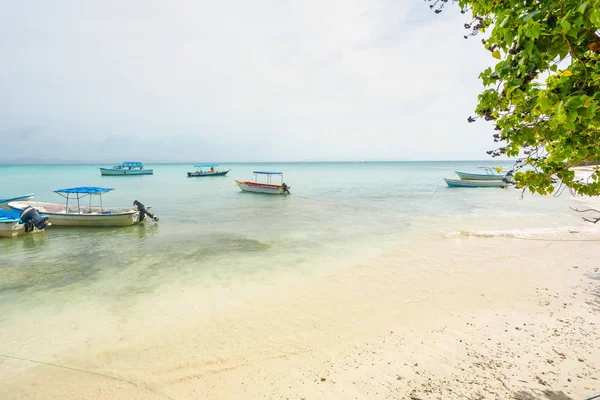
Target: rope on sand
(140, 386)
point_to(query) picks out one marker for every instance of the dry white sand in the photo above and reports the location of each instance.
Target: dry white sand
(454, 318)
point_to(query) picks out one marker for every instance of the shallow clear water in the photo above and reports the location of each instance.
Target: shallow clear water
(228, 246)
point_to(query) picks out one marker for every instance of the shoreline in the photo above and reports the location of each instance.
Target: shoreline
(487, 317)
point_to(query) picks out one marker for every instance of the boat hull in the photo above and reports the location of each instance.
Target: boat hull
(205, 174)
(58, 217)
(467, 176)
(4, 202)
(254, 187)
(474, 184)
(124, 172)
(14, 229)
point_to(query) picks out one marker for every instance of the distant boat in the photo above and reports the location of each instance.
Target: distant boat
(24, 197)
(474, 184)
(266, 188)
(200, 172)
(126, 168)
(489, 175)
(90, 215)
(14, 223)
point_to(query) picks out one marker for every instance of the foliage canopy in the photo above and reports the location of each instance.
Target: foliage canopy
(543, 95)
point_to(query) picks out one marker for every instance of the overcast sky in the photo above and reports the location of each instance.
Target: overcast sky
(281, 80)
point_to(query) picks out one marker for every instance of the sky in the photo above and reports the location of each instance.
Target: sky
(204, 81)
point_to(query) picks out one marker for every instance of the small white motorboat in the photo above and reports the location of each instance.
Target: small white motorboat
(490, 174)
(91, 215)
(16, 224)
(474, 184)
(127, 168)
(266, 188)
(24, 197)
(202, 172)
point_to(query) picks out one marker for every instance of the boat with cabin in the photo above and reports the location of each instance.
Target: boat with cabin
(23, 197)
(126, 168)
(14, 223)
(488, 174)
(203, 170)
(267, 188)
(87, 215)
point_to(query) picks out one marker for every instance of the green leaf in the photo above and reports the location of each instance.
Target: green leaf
(496, 54)
(553, 68)
(582, 7)
(566, 72)
(595, 18)
(504, 21)
(531, 15)
(528, 46)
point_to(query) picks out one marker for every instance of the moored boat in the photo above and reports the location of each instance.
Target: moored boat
(90, 215)
(489, 174)
(127, 168)
(474, 184)
(14, 223)
(24, 197)
(201, 171)
(266, 188)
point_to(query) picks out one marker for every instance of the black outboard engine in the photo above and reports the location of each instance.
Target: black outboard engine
(285, 188)
(143, 212)
(32, 219)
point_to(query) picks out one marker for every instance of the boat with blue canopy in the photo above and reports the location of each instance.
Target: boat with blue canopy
(13, 223)
(126, 168)
(76, 213)
(24, 197)
(203, 170)
(266, 188)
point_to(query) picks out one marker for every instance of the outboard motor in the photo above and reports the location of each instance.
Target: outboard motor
(285, 188)
(143, 212)
(32, 219)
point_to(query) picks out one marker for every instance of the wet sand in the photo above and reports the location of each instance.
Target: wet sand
(462, 317)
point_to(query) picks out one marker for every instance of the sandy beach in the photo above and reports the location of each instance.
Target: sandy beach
(488, 318)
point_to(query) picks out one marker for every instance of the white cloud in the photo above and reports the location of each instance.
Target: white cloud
(266, 80)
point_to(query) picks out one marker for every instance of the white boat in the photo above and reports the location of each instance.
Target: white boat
(127, 168)
(266, 188)
(16, 224)
(474, 184)
(490, 174)
(24, 197)
(90, 215)
(202, 172)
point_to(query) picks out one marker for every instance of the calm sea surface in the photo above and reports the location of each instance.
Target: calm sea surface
(227, 246)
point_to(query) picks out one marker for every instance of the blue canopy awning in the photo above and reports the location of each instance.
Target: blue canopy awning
(268, 172)
(205, 165)
(85, 190)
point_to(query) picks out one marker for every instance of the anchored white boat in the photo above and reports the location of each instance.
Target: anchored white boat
(16, 224)
(127, 168)
(202, 171)
(490, 174)
(266, 188)
(474, 184)
(24, 197)
(90, 215)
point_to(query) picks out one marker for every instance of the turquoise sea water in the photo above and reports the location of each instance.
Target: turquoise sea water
(228, 246)
(335, 208)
